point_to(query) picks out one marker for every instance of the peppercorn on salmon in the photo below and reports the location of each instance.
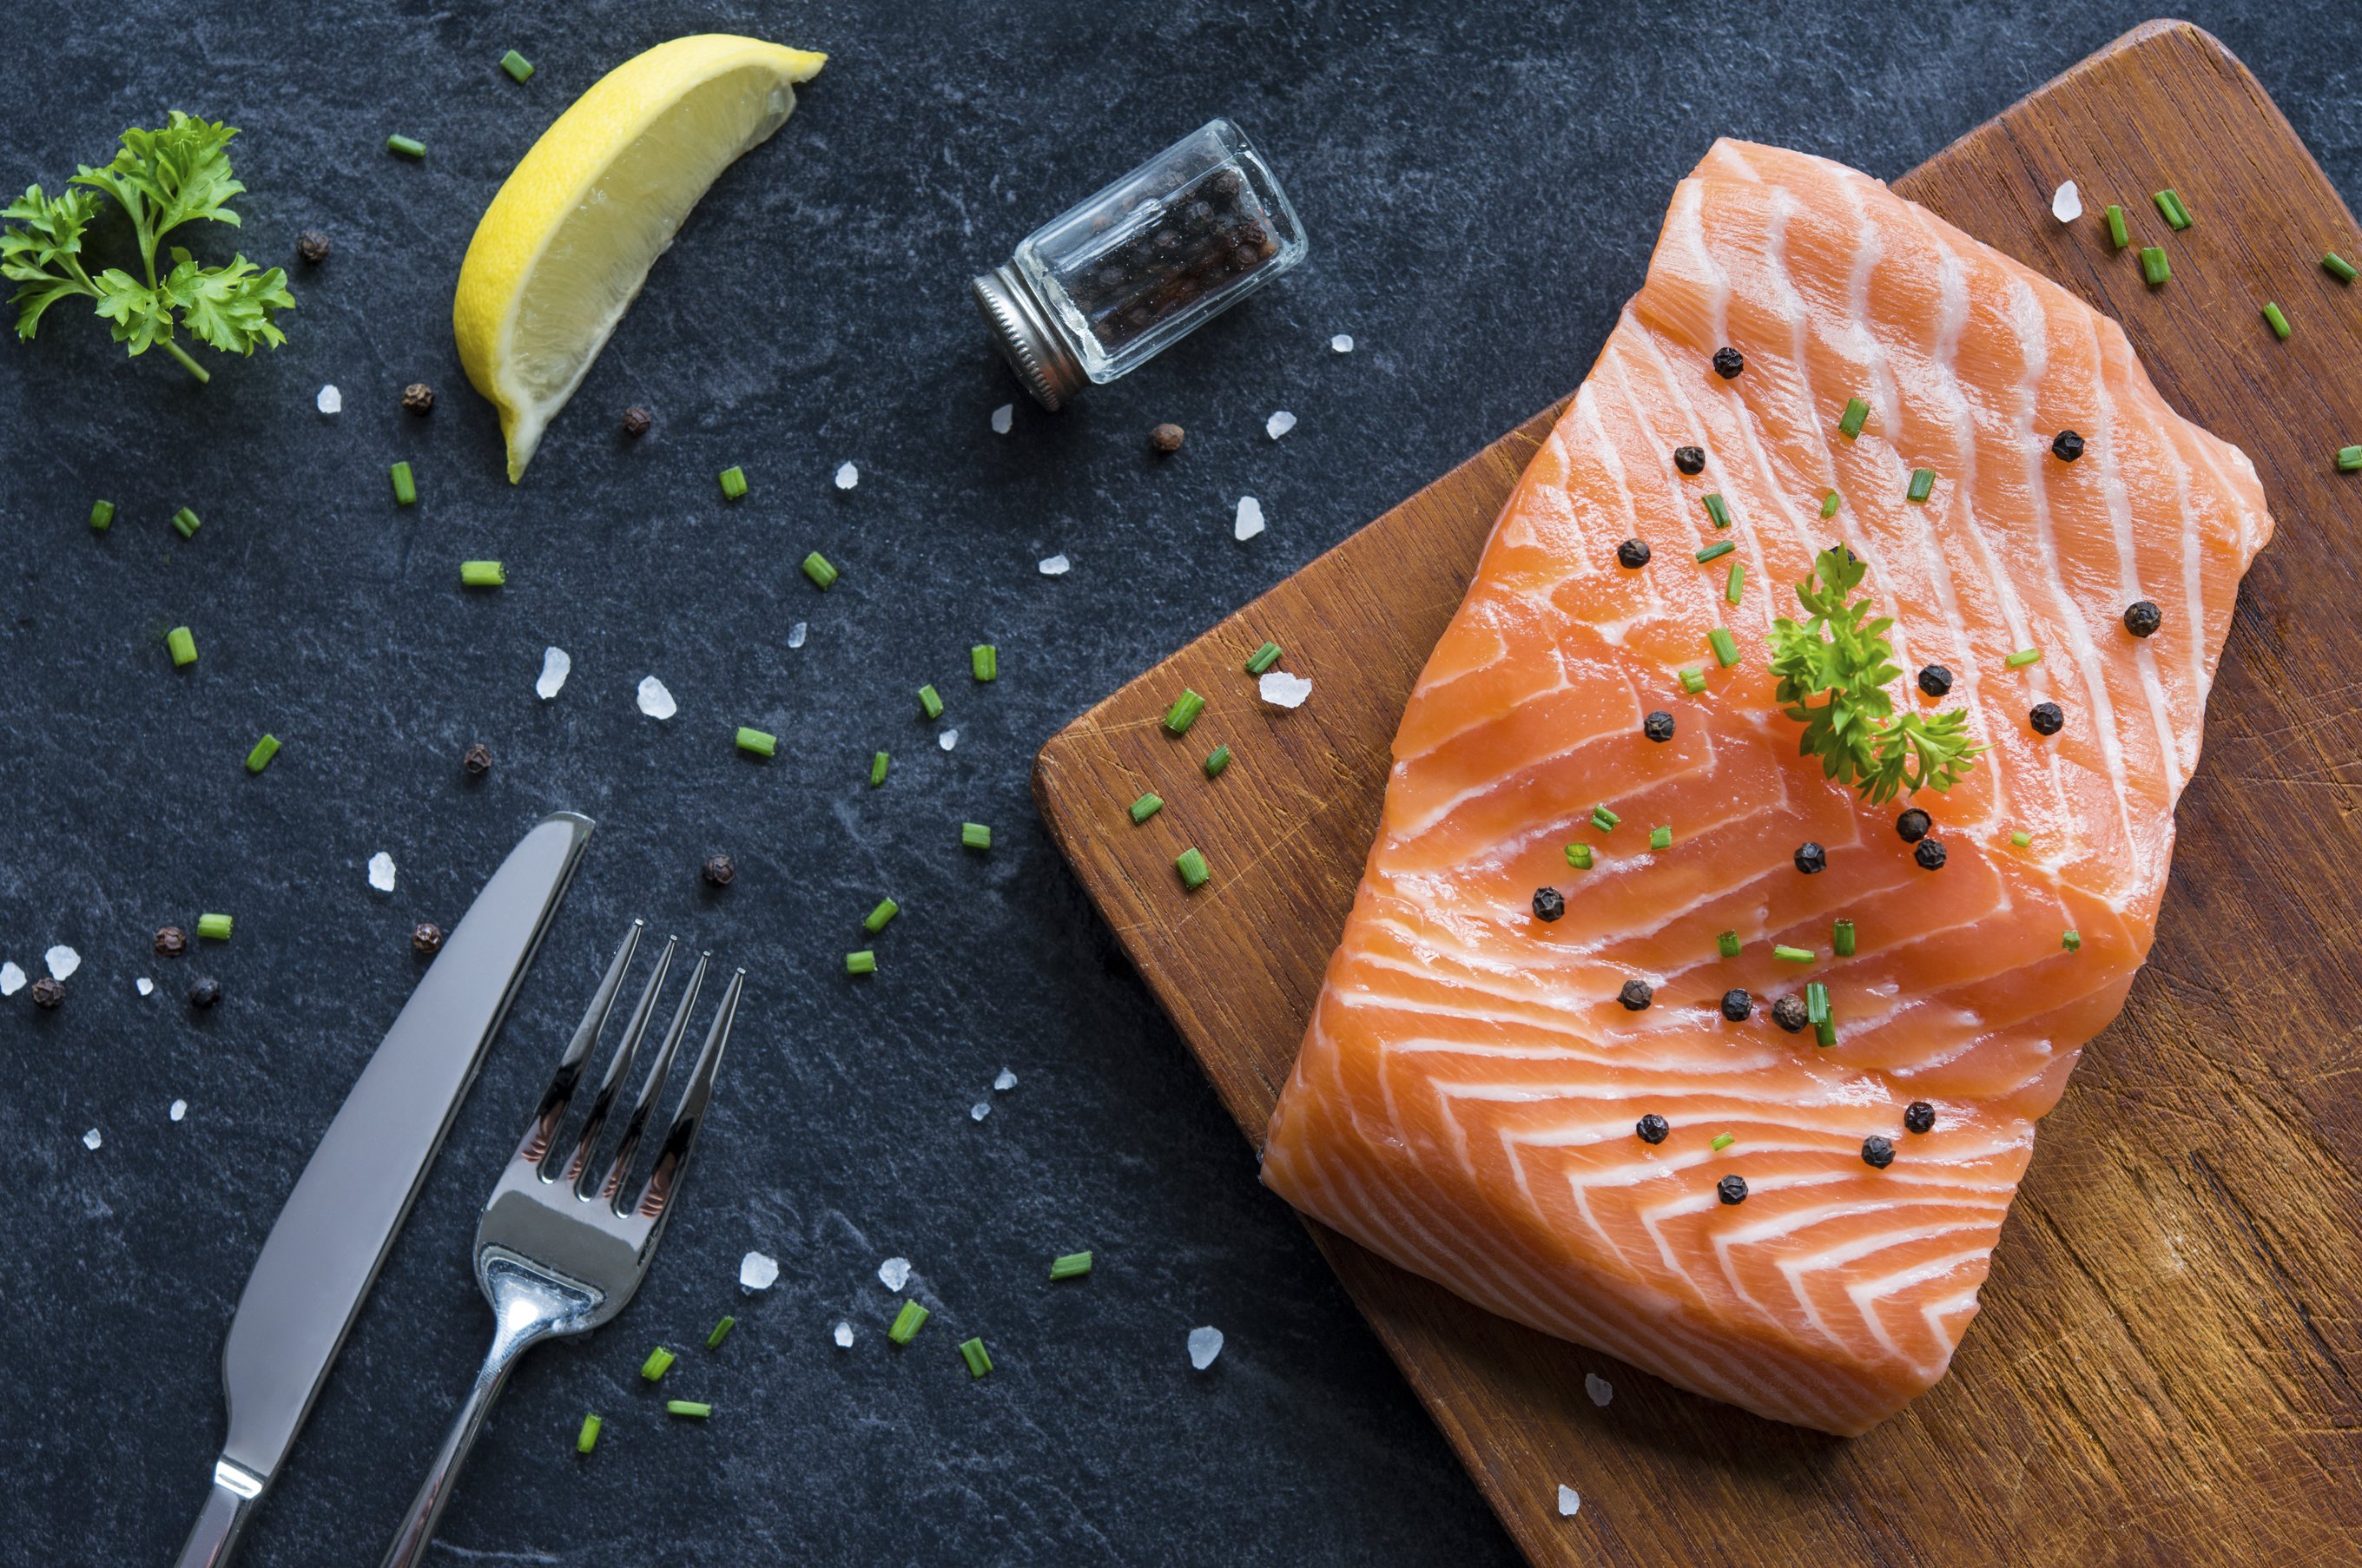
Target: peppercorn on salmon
(1477, 1091)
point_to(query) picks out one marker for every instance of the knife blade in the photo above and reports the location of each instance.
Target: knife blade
(325, 1247)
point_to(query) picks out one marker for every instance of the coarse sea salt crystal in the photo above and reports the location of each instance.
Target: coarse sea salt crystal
(948, 739)
(381, 872)
(978, 1112)
(1055, 566)
(1568, 1503)
(1342, 343)
(654, 701)
(1599, 1389)
(62, 961)
(1282, 690)
(557, 664)
(894, 1273)
(847, 476)
(796, 635)
(180, 1108)
(330, 400)
(758, 1271)
(2067, 203)
(12, 978)
(147, 988)
(1250, 520)
(1205, 1345)
(91, 1140)
(1006, 1081)
(1279, 424)
(843, 1336)
(1003, 417)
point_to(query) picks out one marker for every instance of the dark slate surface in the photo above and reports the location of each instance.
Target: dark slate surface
(1482, 185)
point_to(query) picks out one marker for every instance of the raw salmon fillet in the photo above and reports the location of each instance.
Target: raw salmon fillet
(1466, 1098)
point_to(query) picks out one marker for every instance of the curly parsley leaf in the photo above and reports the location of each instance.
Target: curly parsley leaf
(41, 251)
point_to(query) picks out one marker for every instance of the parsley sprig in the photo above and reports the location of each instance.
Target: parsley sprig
(161, 179)
(1844, 660)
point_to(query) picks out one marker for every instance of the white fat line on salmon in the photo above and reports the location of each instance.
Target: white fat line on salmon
(1879, 1290)
(1539, 768)
(1794, 1271)
(1806, 1274)
(2194, 595)
(2100, 447)
(1611, 461)
(1512, 1152)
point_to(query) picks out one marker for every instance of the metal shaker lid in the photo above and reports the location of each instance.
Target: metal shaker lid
(1021, 330)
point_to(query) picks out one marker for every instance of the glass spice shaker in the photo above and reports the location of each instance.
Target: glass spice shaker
(1127, 273)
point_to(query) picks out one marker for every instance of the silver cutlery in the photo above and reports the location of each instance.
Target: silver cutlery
(325, 1247)
(564, 1243)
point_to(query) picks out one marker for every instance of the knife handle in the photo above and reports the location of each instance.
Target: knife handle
(219, 1524)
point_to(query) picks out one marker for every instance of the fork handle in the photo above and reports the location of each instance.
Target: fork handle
(410, 1542)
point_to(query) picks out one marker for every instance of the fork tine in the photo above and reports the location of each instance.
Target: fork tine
(654, 1086)
(577, 1165)
(681, 1136)
(541, 1133)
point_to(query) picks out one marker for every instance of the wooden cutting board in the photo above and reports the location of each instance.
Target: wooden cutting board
(2167, 1369)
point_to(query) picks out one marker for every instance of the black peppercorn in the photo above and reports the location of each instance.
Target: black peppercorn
(1935, 680)
(1167, 438)
(477, 759)
(638, 421)
(418, 398)
(1549, 903)
(2047, 718)
(426, 939)
(2067, 446)
(311, 247)
(1690, 459)
(49, 993)
(1652, 1127)
(1877, 1153)
(1633, 553)
(718, 871)
(1657, 726)
(1731, 1188)
(1791, 1014)
(1920, 1117)
(204, 993)
(1728, 362)
(2142, 618)
(1811, 859)
(1913, 825)
(1635, 996)
(1929, 854)
(171, 941)
(1737, 1005)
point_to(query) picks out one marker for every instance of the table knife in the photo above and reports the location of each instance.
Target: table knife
(325, 1247)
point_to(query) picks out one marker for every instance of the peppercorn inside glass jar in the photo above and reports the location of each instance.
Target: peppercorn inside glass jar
(1110, 283)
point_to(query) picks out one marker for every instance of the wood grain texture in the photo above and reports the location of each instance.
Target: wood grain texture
(2168, 1369)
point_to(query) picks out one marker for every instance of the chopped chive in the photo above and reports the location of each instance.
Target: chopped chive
(1922, 484)
(1262, 659)
(1216, 760)
(822, 570)
(875, 921)
(2349, 459)
(907, 1322)
(1191, 863)
(482, 574)
(692, 1408)
(1722, 1141)
(976, 835)
(1715, 551)
(102, 515)
(405, 488)
(1183, 712)
(2021, 839)
(757, 742)
(2072, 941)
(1825, 1033)
(2155, 267)
(1727, 944)
(1856, 411)
(1660, 838)
(733, 483)
(2023, 657)
(1147, 806)
(973, 1352)
(183, 642)
(2118, 235)
(214, 927)
(1732, 584)
(587, 1437)
(409, 146)
(1579, 857)
(2168, 204)
(862, 963)
(1791, 954)
(2337, 266)
(878, 763)
(1816, 1002)
(659, 1361)
(984, 662)
(518, 67)
(264, 750)
(187, 522)
(1692, 679)
(1841, 938)
(720, 1332)
(1718, 511)
(930, 704)
(1073, 1265)
(1829, 503)
(1603, 819)
(2280, 323)
(1726, 651)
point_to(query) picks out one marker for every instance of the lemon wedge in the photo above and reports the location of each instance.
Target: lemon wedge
(567, 243)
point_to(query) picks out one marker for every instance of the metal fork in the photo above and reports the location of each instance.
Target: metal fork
(557, 1252)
